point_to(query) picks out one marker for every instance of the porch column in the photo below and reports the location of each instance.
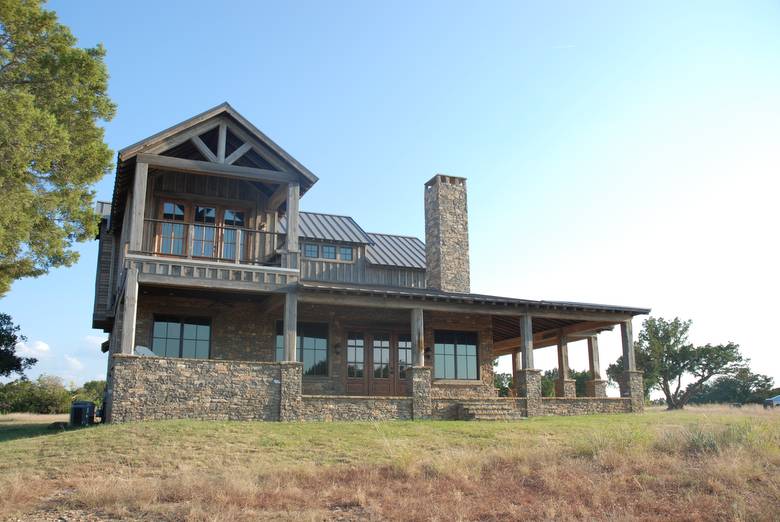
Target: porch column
(596, 387)
(138, 204)
(293, 197)
(564, 386)
(291, 326)
(529, 379)
(632, 385)
(422, 406)
(129, 309)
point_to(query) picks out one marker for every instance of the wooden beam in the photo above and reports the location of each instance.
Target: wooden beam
(129, 309)
(527, 342)
(293, 195)
(563, 358)
(243, 149)
(138, 202)
(627, 338)
(291, 326)
(277, 198)
(221, 142)
(593, 357)
(418, 337)
(217, 169)
(550, 337)
(203, 148)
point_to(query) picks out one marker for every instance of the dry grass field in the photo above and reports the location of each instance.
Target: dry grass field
(700, 464)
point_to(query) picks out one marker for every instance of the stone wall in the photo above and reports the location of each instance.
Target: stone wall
(146, 388)
(583, 405)
(354, 408)
(447, 234)
(449, 409)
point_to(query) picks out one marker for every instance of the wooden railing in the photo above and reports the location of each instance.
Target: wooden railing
(209, 242)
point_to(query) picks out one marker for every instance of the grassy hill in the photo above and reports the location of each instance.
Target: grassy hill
(704, 463)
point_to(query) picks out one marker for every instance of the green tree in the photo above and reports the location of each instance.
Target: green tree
(744, 386)
(52, 94)
(91, 391)
(10, 362)
(667, 359)
(550, 376)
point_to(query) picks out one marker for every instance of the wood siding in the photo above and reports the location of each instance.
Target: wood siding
(360, 271)
(103, 291)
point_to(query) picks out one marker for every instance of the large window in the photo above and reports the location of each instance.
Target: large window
(455, 355)
(172, 233)
(233, 220)
(204, 234)
(312, 347)
(214, 230)
(177, 337)
(404, 355)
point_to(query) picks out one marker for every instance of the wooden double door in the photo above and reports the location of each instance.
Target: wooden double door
(378, 363)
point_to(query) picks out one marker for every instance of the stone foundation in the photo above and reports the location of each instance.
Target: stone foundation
(596, 388)
(584, 405)
(529, 386)
(153, 388)
(421, 392)
(354, 408)
(565, 388)
(633, 388)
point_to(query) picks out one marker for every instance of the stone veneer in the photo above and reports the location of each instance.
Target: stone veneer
(147, 388)
(633, 388)
(421, 392)
(354, 408)
(565, 388)
(584, 405)
(447, 234)
(529, 386)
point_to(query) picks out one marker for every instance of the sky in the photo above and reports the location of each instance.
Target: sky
(616, 152)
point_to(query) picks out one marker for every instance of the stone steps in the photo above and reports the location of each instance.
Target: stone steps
(490, 410)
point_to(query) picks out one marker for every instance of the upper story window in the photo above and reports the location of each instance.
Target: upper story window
(345, 253)
(172, 234)
(181, 337)
(455, 355)
(329, 252)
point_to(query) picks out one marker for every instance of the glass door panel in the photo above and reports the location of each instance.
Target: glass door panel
(204, 233)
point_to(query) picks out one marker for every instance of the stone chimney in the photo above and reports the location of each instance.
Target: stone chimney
(447, 234)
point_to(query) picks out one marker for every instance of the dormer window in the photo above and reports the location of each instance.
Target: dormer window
(344, 254)
(311, 250)
(328, 252)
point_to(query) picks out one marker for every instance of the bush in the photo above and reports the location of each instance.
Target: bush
(47, 394)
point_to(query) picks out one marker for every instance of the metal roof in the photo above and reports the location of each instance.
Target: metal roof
(454, 297)
(400, 251)
(328, 227)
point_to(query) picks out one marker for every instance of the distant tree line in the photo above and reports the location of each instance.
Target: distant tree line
(47, 394)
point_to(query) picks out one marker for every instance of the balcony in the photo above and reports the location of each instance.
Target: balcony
(203, 255)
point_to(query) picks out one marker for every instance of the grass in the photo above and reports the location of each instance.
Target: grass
(712, 463)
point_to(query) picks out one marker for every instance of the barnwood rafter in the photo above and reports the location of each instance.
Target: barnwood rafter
(550, 337)
(219, 169)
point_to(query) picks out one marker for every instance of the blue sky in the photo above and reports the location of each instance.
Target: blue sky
(616, 152)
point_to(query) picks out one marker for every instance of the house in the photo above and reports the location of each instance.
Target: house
(223, 300)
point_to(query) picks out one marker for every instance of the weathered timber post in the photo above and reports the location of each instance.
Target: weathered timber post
(529, 379)
(421, 375)
(596, 387)
(129, 309)
(632, 378)
(564, 386)
(138, 207)
(291, 326)
(290, 257)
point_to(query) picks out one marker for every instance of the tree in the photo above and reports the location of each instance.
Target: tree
(52, 96)
(502, 382)
(667, 359)
(744, 386)
(10, 362)
(550, 376)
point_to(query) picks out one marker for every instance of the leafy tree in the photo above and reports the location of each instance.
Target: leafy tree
(9, 338)
(52, 96)
(744, 386)
(91, 391)
(502, 382)
(667, 358)
(47, 394)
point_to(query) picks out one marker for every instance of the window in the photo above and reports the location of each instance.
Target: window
(404, 355)
(174, 337)
(355, 355)
(345, 253)
(233, 220)
(455, 355)
(328, 252)
(381, 345)
(312, 346)
(311, 250)
(172, 234)
(204, 232)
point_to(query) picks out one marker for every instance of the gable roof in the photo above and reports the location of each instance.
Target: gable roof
(222, 109)
(328, 227)
(400, 251)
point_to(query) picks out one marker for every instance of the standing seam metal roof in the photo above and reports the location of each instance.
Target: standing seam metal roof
(328, 227)
(400, 251)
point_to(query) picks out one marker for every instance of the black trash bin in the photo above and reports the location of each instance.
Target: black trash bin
(82, 413)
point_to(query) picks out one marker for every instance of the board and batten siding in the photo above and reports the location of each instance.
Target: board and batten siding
(103, 290)
(360, 271)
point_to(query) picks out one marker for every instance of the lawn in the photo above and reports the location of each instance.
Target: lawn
(700, 464)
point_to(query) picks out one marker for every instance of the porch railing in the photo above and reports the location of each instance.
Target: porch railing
(210, 242)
